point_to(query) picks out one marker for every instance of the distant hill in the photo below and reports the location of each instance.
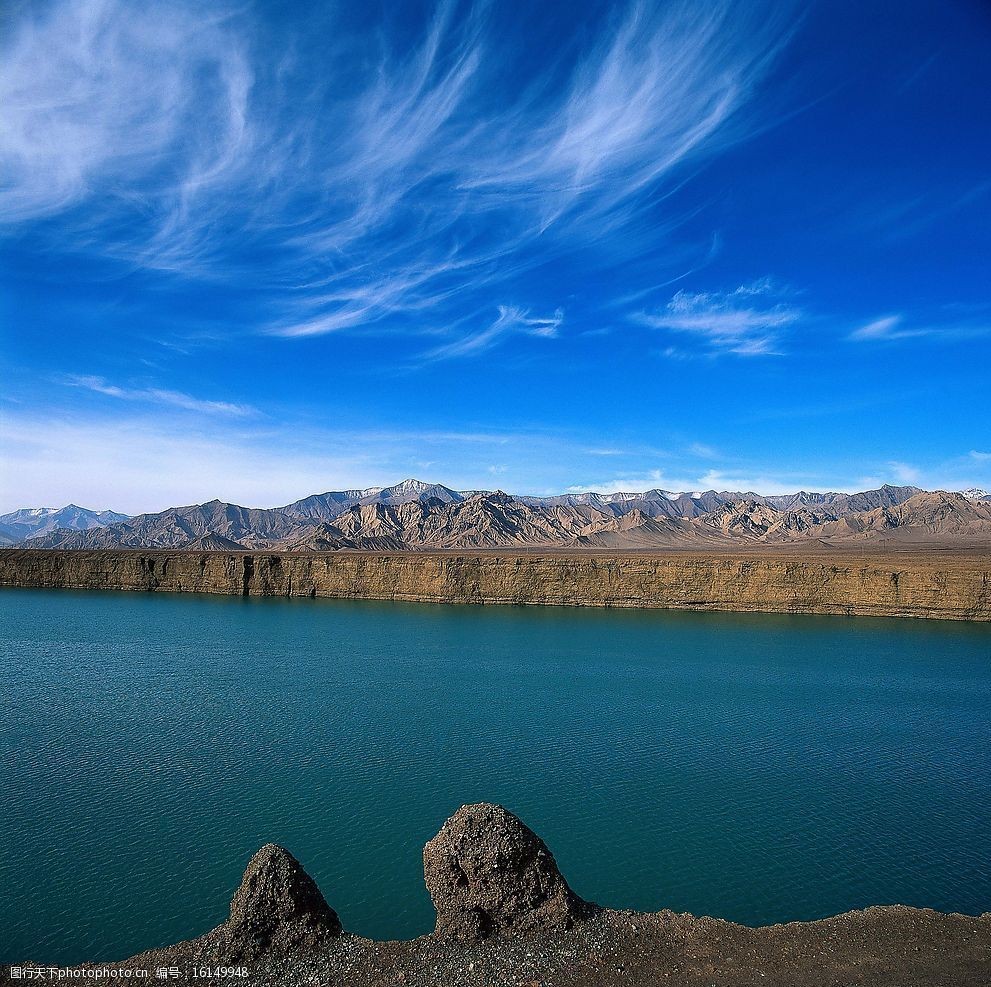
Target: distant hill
(925, 517)
(177, 527)
(36, 522)
(213, 543)
(414, 515)
(327, 506)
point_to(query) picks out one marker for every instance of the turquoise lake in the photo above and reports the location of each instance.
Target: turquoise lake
(755, 767)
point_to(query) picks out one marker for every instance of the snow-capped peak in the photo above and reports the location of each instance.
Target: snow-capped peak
(410, 486)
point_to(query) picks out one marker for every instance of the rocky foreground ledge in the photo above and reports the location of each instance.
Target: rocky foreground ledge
(506, 916)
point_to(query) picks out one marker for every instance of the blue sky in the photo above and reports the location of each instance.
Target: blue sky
(267, 250)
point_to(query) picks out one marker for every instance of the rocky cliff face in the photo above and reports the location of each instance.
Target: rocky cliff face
(505, 915)
(909, 586)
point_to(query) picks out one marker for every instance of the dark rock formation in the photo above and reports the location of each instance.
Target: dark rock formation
(278, 906)
(505, 915)
(488, 874)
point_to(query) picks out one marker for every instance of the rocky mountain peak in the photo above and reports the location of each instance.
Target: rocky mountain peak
(410, 485)
(497, 497)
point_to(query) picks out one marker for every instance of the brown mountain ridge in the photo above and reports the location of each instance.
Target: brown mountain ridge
(416, 516)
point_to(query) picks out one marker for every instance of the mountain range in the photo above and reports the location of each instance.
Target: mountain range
(414, 515)
(36, 522)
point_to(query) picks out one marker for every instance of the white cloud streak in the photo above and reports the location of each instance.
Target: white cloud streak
(893, 328)
(736, 322)
(123, 108)
(887, 328)
(510, 320)
(157, 395)
(654, 93)
(377, 191)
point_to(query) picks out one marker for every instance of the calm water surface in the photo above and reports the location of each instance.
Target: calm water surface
(759, 768)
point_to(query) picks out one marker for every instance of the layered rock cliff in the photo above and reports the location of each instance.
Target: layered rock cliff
(910, 586)
(506, 915)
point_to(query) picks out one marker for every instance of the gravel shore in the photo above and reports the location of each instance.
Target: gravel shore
(506, 916)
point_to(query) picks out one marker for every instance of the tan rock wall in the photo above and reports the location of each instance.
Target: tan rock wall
(954, 588)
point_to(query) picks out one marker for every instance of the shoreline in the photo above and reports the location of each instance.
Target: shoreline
(931, 584)
(506, 915)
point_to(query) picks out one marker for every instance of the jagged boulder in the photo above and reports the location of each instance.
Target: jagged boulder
(278, 906)
(489, 874)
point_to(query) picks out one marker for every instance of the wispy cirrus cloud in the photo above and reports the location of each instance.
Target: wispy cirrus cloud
(654, 92)
(944, 326)
(157, 395)
(132, 111)
(374, 184)
(747, 321)
(887, 328)
(511, 319)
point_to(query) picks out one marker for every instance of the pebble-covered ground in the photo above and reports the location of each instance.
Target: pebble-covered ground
(506, 916)
(896, 946)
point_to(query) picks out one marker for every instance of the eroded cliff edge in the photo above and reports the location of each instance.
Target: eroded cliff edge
(506, 915)
(941, 586)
